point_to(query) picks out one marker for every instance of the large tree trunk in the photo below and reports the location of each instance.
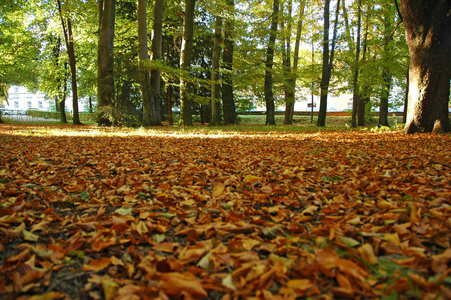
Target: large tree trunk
(157, 45)
(105, 59)
(215, 107)
(269, 96)
(228, 100)
(428, 34)
(325, 77)
(186, 103)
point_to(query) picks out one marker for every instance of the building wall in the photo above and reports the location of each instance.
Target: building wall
(22, 99)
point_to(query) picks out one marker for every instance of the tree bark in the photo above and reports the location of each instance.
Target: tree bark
(428, 34)
(321, 122)
(149, 113)
(68, 37)
(105, 59)
(386, 74)
(383, 107)
(215, 107)
(269, 96)
(287, 84)
(355, 96)
(363, 98)
(228, 100)
(186, 103)
(157, 45)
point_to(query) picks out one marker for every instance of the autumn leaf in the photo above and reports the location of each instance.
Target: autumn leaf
(175, 284)
(97, 264)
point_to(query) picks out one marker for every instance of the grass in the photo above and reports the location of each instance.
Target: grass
(247, 123)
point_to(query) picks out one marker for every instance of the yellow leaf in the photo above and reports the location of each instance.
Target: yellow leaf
(251, 178)
(218, 189)
(366, 251)
(47, 296)
(110, 289)
(28, 236)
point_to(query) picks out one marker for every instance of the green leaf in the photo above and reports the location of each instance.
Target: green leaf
(166, 215)
(124, 211)
(28, 236)
(350, 242)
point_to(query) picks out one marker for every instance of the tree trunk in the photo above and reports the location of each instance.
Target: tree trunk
(287, 84)
(269, 96)
(157, 45)
(325, 71)
(383, 108)
(73, 69)
(170, 118)
(90, 104)
(363, 98)
(62, 104)
(428, 34)
(406, 99)
(149, 113)
(228, 101)
(386, 74)
(105, 59)
(186, 103)
(68, 37)
(215, 107)
(355, 95)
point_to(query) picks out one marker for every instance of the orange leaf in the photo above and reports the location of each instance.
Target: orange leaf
(175, 284)
(97, 264)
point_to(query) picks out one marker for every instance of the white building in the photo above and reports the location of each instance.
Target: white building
(21, 99)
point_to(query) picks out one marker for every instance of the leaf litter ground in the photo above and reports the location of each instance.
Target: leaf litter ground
(98, 213)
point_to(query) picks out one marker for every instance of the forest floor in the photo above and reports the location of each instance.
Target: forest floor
(164, 213)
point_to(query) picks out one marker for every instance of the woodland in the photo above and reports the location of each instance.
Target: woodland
(143, 63)
(146, 204)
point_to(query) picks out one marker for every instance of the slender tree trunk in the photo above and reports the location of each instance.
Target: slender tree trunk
(269, 96)
(386, 74)
(105, 60)
(62, 104)
(228, 100)
(90, 104)
(325, 71)
(428, 34)
(186, 103)
(288, 87)
(73, 69)
(68, 37)
(355, 96)
(215, 107)
(363, 98)
(170, 118)
(294, 70)
(157, 45)
(406, 99)
(383, 108)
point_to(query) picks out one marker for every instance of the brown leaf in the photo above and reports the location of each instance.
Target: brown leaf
(175, 284)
